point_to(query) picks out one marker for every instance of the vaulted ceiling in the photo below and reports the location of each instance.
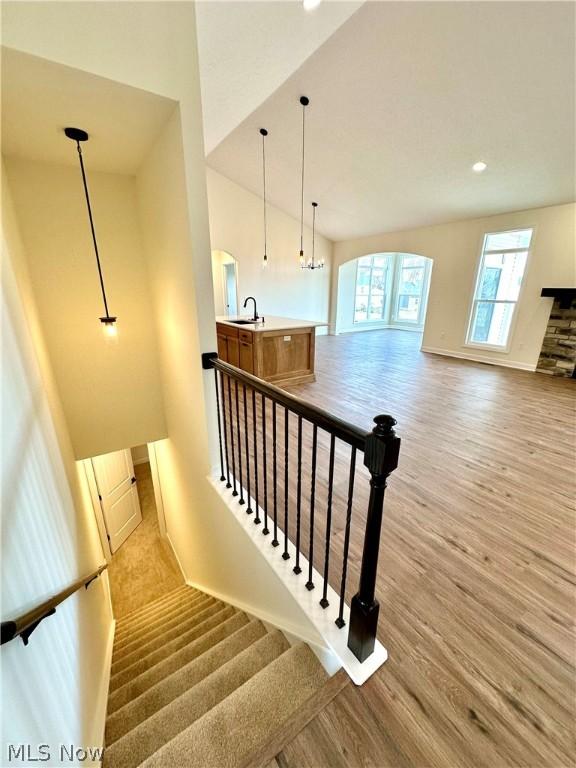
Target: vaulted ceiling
(404, 98)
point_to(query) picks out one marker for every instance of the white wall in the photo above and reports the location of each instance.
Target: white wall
(53, 691)
(111, 393)
(282, 288)
(455, 249)
(212, 548)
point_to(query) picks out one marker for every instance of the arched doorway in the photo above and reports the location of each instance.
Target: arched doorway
(383, 290)
(225, 280)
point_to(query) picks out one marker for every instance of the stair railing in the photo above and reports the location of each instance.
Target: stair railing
(241, 398)
(26, 623)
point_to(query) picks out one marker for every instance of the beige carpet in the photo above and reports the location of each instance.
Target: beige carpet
(197, 683)
(144, 568)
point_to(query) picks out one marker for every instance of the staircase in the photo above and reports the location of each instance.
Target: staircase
(197, 683)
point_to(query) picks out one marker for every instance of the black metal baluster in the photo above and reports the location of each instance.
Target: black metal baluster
(241, 501)
(275, 541)
(285, 554)
(265, 530)
(247, 445)
(225, 422)
(324, 601)
(340, 620)
(234, 491)
(222, 478)
(297, 568)
(254, 433)
(310, 583)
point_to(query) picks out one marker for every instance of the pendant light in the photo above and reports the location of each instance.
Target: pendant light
(304, 100)
(264, 133)
(108, 321)
(311, 262)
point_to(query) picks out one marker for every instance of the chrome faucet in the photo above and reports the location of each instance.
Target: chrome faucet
(255, 318)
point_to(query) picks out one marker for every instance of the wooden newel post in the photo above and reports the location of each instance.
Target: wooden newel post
(381, 458)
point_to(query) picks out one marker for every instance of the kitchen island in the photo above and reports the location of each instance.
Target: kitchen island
(279, 349)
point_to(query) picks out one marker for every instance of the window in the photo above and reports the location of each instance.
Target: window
(502, 265)
(412, 278)
(391, 288)
(371, 280)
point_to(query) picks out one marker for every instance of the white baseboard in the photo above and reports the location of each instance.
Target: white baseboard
(99, 722)
(334, 639)
(265, 617)
(141, 461)
(173, 548)
(480, 358)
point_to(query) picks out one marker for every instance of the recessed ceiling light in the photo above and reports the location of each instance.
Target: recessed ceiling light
(479, 167)
(309, 5)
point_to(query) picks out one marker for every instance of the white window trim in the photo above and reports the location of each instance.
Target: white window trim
(503, 349)
(391, 295)
(385, 319)
(419, 322)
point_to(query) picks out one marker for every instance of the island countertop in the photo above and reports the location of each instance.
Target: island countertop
(271, 323)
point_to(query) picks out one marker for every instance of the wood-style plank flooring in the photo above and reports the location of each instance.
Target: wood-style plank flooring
(476, 577)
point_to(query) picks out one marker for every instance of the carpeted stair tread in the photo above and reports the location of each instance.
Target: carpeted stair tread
(195, 649)
(173, 685)
(164, 624)
(161, 633)
(165, 598)
(236, 727)
(163, 611)
(149, 736)
(125, 658)
(142, 664)
(124, 628)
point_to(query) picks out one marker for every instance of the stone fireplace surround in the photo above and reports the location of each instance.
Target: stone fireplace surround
(558, 353)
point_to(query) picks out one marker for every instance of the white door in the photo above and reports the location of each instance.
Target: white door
(118, 494)
(230, 293)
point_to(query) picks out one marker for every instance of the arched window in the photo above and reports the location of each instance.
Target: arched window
(391, 288)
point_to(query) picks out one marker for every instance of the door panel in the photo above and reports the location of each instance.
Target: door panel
(222, 347)
(115, 479)
(233, 352)
(246, 357)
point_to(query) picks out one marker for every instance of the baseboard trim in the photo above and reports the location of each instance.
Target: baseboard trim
(334, 639)
(480, 358)
(263, 616)
(102, 705)
(140, 461)
(293, 634)
(173, 548)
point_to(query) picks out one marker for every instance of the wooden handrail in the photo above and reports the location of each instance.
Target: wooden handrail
(338, 427)
(25, 624)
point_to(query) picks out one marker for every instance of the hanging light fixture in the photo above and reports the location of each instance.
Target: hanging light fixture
(311, 264)
(264, 133)
(304, 100)
(108, 321)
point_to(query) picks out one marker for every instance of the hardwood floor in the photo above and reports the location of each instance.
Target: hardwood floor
(476, 575)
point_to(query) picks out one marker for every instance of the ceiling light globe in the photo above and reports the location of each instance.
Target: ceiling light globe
(310, 5)
(479, 167)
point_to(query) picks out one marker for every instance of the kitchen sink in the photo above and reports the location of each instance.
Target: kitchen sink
(242, 322)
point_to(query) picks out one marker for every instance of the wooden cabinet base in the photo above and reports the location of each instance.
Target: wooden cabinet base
(284, 357)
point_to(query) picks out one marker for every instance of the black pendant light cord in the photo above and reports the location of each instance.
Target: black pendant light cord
(92, 228)
(313, 228)
(264, 134)
(304, 103)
